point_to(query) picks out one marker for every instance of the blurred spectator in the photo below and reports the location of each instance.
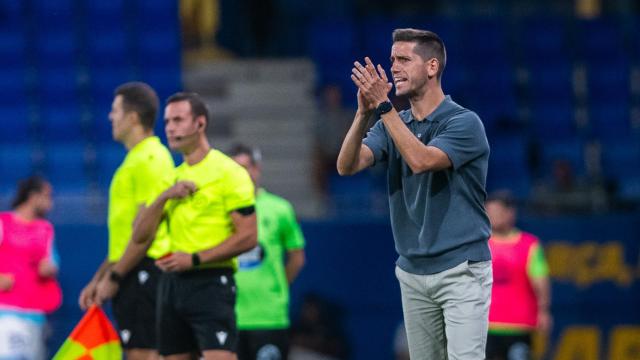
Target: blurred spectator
(332, 124)
(564, 192)
(521, 293)
(263, 273)
(318, 334)
(28, 267)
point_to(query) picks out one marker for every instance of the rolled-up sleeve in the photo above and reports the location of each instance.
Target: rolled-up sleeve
(463, 139)
(376, 140)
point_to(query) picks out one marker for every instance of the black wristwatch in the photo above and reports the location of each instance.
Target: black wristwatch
(383, 108)
(195, 259)
(115, 277)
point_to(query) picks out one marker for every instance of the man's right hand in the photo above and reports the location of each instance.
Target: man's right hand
(180, 190)
(88, 296)
(6, 282)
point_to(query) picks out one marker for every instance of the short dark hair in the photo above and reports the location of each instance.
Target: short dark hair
(26, 187)
(198, 107)
(429, 45)
(504, 197)
(141, 99)
(253, 153)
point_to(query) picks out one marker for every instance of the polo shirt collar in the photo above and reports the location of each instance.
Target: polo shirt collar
(439, 110)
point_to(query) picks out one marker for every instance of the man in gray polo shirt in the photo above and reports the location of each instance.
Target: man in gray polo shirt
(436, 156)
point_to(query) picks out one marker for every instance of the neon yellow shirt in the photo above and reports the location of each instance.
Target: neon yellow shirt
(203, 220)
(141, 175)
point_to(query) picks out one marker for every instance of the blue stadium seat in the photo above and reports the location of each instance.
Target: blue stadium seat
(159, 48)
(66, 167)
(553, 120)
(491, 93)
(16, 162)
(551, 81)
(13, 86)
(571, 150)
(61, 124)
(152, 16)
(111, 9)
(58, 84)
(485, 38)
(610, 120)
(12, 48)
(54, 15)
(609, 83)
(600, 39)
(628, 188)
(108, 158)
(332, 46)
(57, 48)
(542, 39)
(621, 158)
(508, 166)
(12, 14)
(108, 48)
(16, 126)
(106, 17)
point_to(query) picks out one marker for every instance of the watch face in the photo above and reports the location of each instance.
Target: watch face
(384, 108)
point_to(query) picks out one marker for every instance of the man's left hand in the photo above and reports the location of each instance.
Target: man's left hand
(372, 82)
(177, 261)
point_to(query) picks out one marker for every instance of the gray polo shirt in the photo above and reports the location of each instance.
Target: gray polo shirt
(438, 217)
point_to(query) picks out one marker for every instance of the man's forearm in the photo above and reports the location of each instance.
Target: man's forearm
(416, 154)
(244, 239)
(102, 269)
(542, 289)
(147, 222)
(233, 246)
(350, 150)
(295, 262)
(134, 252)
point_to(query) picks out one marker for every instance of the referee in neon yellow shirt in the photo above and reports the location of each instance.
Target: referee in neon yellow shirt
(136, 180)
(210, 216)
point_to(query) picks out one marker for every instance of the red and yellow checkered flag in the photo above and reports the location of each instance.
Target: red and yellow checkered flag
(94, 338)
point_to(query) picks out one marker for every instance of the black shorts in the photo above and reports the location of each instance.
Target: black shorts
(263, 344)
(509, 347)
(196, 311)
(134, 306)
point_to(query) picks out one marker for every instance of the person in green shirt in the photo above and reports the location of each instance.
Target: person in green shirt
(129, 270)
(209, 211)
(263, 279)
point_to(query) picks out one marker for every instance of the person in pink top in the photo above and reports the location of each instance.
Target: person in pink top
(28, 288)
(521, 293)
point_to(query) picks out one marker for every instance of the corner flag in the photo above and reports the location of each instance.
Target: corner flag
(94, 338)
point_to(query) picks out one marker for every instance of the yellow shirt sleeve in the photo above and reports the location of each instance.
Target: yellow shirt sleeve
(239, 189)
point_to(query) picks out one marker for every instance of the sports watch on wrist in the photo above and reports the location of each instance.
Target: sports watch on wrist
(195, 259)
(383, 108)
(115, 277)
